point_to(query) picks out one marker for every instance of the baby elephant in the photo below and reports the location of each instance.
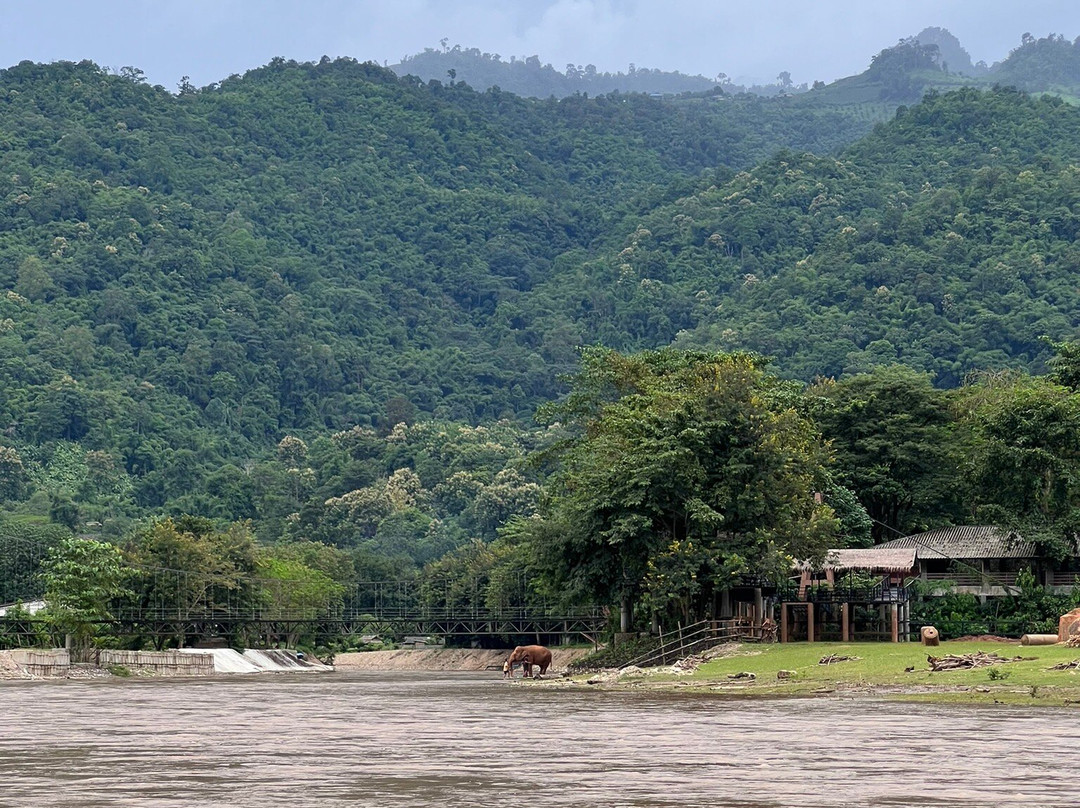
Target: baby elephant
(529, 655)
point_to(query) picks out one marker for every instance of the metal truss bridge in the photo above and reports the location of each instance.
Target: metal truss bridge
(388, 623)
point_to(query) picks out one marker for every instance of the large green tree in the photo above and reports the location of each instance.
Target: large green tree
(82, 579)
(188, 566)
(1024, 471)
(682, 471)
(896, 446)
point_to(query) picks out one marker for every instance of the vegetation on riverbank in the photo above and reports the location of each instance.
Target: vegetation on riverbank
(882, 670)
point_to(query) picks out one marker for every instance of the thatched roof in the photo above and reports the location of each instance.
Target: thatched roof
(870, 559)
(966, 542)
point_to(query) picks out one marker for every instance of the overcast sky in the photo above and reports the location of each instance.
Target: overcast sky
(747, 39)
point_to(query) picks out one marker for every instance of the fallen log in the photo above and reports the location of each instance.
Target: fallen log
(1039, 639)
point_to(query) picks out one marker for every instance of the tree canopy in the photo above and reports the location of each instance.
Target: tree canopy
(682, 471)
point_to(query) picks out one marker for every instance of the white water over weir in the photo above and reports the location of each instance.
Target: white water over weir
(272, 660)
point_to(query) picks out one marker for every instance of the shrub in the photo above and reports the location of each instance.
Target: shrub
(612, 656)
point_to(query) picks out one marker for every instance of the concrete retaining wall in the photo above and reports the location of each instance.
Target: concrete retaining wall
(38, 662)
(171, 663)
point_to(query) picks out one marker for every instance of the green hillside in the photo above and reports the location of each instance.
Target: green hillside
(935, 60)
(945, 240)
(311, 248)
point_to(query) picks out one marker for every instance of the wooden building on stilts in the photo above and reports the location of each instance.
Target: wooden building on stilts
(853, 594)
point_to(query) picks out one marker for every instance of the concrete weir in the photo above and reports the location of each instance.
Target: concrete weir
(272, 660)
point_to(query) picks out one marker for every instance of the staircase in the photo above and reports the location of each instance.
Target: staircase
(693, 639)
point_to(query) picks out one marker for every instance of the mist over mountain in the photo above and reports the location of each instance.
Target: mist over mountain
(952, 56)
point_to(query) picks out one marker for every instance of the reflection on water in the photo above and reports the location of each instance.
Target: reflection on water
(472, 739)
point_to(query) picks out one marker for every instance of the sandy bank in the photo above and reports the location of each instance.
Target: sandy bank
(445, 659)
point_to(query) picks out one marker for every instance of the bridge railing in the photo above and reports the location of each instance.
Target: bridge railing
(383, 614)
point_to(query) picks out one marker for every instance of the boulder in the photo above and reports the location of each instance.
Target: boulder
(1069, 625)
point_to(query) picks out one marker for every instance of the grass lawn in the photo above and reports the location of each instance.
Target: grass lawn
(881, 672)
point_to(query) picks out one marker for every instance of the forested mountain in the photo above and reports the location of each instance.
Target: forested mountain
(951, 54)
(935, 60)
(529, 78)
(1048, 64)
(190, 280)
(189, 277)
(945, 240)
(329, 300)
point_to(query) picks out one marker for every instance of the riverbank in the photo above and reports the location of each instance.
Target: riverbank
(884, 670)
(447, 659)
(226, 661)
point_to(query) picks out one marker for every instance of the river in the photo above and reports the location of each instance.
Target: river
(409, 739)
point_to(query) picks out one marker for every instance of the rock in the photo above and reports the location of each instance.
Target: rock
(785, 674)
(1069, 625)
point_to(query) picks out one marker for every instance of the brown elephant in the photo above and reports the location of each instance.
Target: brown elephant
(529, 655)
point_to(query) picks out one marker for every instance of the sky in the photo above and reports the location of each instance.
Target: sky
(749, 41)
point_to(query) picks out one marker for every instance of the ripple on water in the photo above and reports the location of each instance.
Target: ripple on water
(466, 740)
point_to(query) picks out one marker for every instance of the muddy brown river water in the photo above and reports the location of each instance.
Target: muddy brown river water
(408, 739)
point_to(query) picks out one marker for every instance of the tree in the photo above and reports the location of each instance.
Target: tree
(12, 474)
(24, 547)
(82, 579)
(1025, 462)
(290, 590)
(895, 445)
(189, 567)
(683, 471)
(1065, 363)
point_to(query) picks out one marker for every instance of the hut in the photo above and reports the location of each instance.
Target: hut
(872, 581)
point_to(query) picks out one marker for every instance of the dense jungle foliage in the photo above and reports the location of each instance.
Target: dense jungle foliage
(306, 248)
(315, 308)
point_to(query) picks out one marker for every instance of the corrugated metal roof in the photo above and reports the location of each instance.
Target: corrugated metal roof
(873, 559)
(965, 542)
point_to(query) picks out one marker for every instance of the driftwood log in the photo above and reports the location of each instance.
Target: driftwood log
(831, 659)
(979, 659)
(1066, 666)
(930, 636)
